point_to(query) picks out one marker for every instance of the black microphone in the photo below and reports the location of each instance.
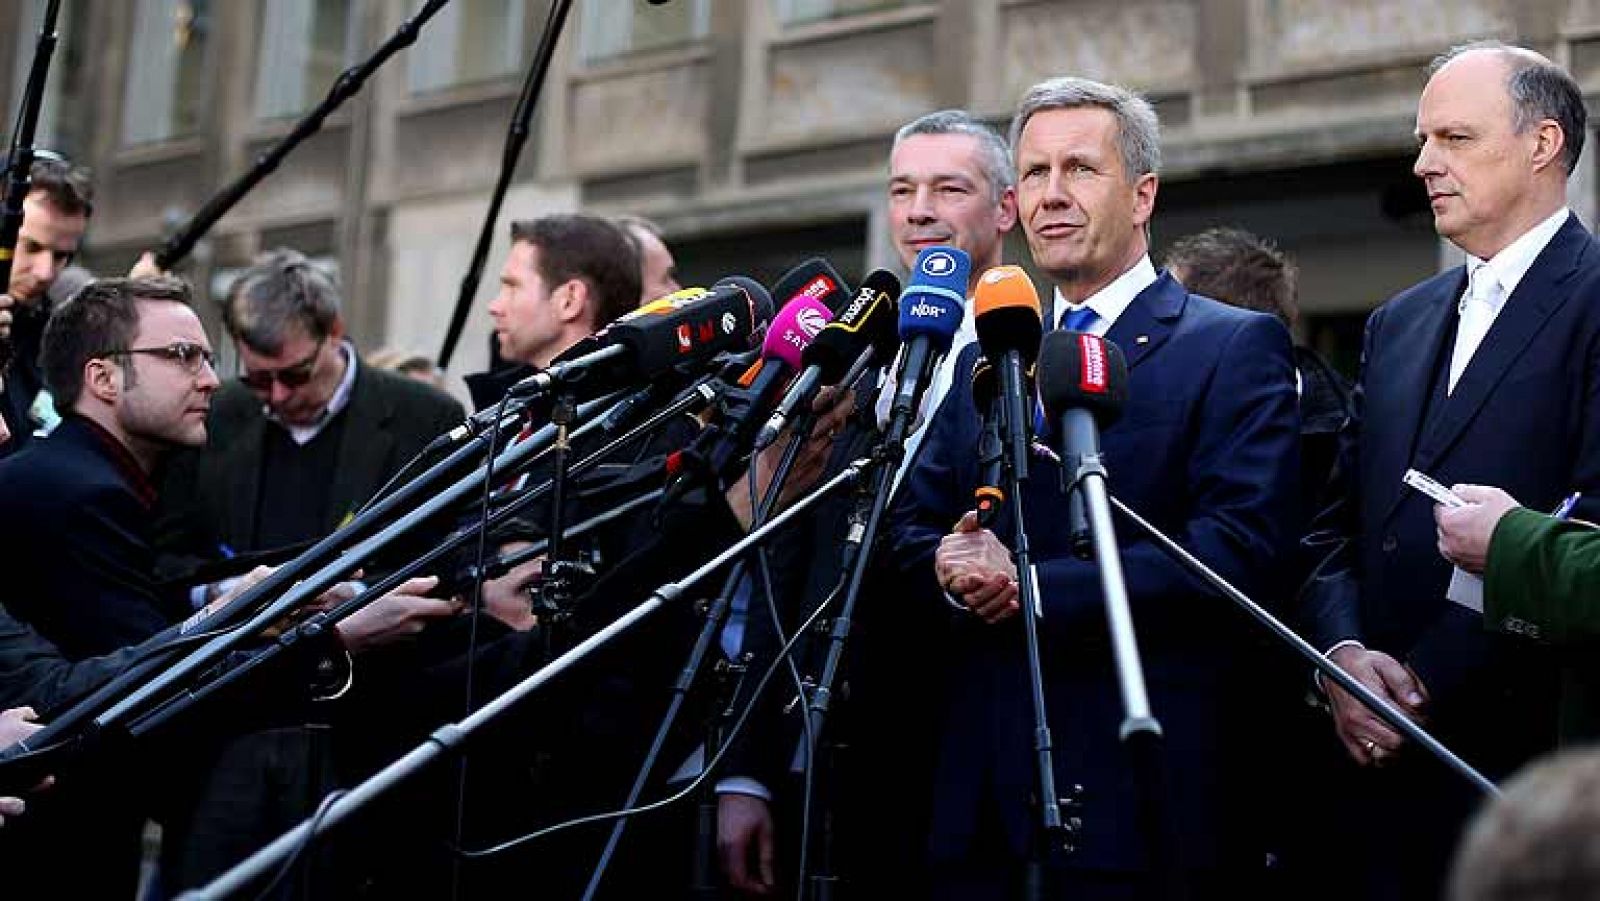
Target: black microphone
(810, 293)
(863, 329)
(989, 494)
(1083, 384)
(690, 326)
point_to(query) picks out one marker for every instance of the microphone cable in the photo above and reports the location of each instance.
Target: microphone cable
(711, 764)
(480, 554)
(293, 860)
(797, 440)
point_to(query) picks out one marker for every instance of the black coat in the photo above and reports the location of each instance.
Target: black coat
(75, 525)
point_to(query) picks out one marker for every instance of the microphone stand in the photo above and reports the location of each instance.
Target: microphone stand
(1141, 731)
(1329, 670)
(556, 585)
(859, 541)
(452, 737)
(504, 563)
(292, 584)
(1014, 462)
(705, 869)
(280, 580)
(20, 160)
(319, 623)
(516, 137)
(347, 85)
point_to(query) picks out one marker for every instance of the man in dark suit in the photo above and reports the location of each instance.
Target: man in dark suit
(950, 181)
(1206, 450)
(294, 447)
(75, 511)
(1484, 373)
(308, 433)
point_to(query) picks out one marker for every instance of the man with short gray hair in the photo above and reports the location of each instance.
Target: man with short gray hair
(1205, 449)
(1485, 373)
(306, 433)
(950, 183)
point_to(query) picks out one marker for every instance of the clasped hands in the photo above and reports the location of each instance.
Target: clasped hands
(977, 570)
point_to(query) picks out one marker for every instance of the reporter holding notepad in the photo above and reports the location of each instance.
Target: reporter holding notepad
(1541, 573)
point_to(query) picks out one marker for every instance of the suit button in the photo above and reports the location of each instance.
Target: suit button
(1390, 543)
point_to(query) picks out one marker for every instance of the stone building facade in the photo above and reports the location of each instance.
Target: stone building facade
(754, 132)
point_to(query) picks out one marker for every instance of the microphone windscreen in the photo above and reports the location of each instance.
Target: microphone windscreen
(869, 319)
(1005, 310)
(794, 328)
(688, 325)
(1082, 371)
(761, 308)
(814, 279)
(934, 301)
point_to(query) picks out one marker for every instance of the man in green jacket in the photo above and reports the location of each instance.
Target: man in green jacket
(1541, 574)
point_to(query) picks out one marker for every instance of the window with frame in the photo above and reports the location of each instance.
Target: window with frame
(469, 41)
(304, 45)
(610, 30)
(165, 90)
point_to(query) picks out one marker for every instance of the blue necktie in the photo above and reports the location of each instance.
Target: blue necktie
(732, 638)
(1082, 319)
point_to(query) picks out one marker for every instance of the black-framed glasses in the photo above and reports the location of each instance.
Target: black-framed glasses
(292, 376)
(185, 353)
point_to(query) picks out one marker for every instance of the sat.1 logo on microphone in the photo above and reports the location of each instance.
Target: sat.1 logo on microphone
(938, 264)
(811, 321)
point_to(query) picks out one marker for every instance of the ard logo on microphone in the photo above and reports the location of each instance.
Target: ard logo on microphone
(938, 264)
(1092, 377)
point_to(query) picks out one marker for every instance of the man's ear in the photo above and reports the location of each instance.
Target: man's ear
(102, 380)
(1549, 144)
(572, 300)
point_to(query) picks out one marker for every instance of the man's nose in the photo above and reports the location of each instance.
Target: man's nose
(922, 206)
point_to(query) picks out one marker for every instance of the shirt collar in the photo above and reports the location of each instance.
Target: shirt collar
(302, 434)
(1109, 302)
(1512, 263)
(138, 480)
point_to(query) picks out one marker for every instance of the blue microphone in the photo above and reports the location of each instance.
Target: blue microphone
(931, 308)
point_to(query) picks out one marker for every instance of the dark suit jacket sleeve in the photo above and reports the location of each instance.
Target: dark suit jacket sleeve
(929, 502)
(1243, 476)
(1545, 573)
(34, 673)
(1327, 609)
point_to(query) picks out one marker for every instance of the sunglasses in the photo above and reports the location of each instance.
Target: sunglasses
(186, 354)
(291, 376)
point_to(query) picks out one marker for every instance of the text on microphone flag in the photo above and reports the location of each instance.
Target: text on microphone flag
(1092, 375)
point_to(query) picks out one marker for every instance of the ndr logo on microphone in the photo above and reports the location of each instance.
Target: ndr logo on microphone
(938, 264)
